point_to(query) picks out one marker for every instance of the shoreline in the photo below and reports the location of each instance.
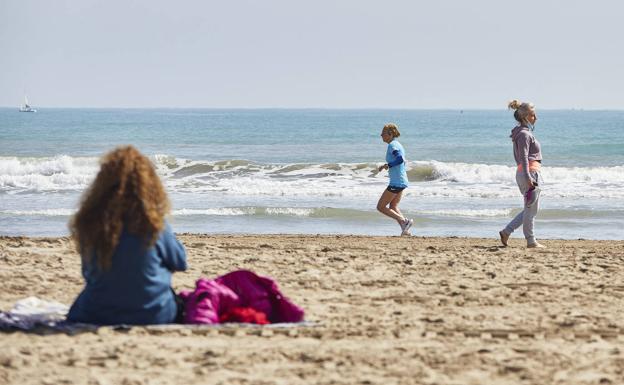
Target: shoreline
(382, 310)
(515, 236)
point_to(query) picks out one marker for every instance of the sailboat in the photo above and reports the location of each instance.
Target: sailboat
(26, 107)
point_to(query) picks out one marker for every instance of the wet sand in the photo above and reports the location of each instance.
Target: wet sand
(384, 310)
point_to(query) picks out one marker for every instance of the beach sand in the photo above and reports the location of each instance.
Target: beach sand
(384, 310)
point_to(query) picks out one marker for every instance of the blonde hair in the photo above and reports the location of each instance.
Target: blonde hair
(392, 129)
(126, 193)
(522, 110)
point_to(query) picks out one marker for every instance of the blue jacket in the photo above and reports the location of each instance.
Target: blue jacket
(137, 288)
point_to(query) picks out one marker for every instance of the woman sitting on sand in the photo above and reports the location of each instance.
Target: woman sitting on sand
(128, 251)
(395, 158)
(528, 155)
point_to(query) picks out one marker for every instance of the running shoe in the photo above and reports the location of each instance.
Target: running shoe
(406, 225)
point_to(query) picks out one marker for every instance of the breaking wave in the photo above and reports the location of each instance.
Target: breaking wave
(242, 177)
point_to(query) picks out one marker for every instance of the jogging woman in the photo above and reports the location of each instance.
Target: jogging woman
(395, 164)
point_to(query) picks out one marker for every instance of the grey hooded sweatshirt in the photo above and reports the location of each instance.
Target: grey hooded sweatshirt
(525, 148)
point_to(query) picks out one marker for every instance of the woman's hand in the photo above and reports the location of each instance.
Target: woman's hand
(383, 167)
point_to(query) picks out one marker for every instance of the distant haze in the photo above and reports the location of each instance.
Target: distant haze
(327, 54)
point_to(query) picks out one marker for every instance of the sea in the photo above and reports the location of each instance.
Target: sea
(314, 171)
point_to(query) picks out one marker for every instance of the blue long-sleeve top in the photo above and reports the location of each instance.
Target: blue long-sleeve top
(395, 157)
(136, 289)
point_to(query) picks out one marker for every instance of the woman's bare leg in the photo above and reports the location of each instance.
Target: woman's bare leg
(386, 199)
(394, 205)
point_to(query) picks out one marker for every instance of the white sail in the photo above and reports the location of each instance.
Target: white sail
(26, 107)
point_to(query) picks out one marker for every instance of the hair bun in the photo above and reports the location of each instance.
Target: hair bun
(514, 104)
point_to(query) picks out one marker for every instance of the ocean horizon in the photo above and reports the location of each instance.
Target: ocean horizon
(313, 170)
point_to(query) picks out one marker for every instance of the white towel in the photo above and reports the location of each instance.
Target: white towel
(29, 312)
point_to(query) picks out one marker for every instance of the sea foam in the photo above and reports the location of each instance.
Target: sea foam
(245, 178)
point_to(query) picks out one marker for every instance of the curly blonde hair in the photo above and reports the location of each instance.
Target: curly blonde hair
(127, 193)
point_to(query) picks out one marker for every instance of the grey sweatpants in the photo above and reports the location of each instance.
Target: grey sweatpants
(525, 218)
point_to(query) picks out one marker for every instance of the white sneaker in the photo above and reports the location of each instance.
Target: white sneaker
(405, 226)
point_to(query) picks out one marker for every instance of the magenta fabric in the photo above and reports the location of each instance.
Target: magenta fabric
(207, 302)
(242, 288)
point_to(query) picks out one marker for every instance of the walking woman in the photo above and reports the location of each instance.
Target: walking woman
(528, 155)
(395, 164)
(128, 250)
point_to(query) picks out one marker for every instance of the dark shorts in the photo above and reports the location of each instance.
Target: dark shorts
(395, 189)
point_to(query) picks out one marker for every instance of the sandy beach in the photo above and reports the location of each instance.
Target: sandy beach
(383, 310)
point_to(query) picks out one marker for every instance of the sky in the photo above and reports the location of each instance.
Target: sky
(312, 54)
